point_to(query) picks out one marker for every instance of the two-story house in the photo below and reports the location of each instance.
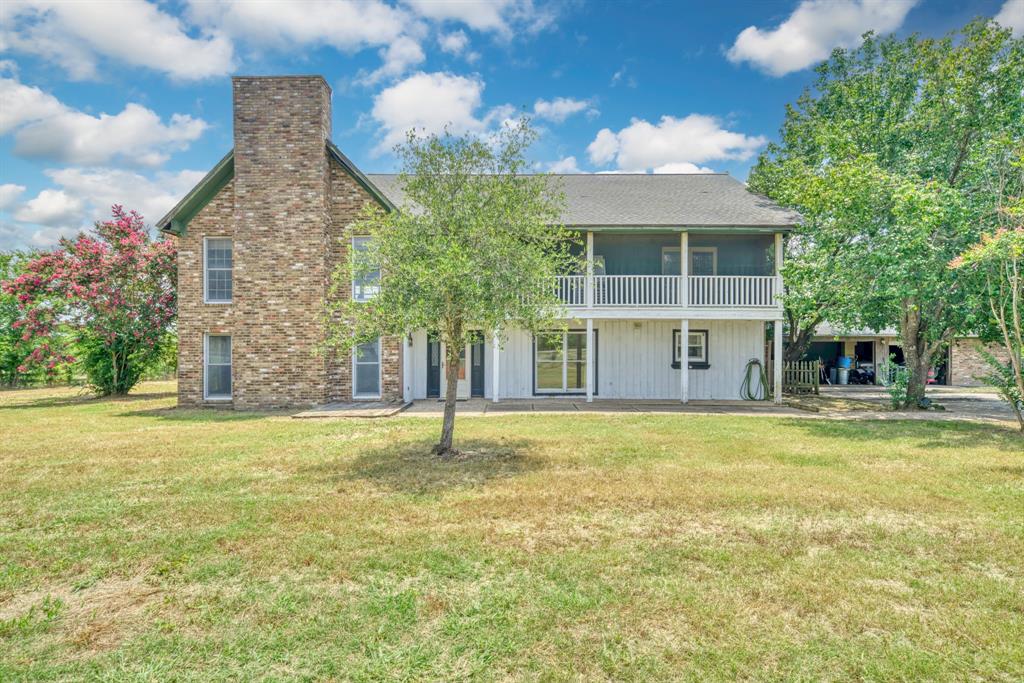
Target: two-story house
(682, 278)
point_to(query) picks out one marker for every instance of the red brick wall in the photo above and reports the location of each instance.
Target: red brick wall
(286, 210)
(966, 363)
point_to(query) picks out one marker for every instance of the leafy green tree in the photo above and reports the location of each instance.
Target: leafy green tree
(475, 249)
(13, 349)
(993, 270)
(925, 123)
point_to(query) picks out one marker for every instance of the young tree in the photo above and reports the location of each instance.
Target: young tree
(114, 292)
(924, 113)
(475, 248)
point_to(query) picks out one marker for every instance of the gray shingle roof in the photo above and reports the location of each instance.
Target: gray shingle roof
(639, 200)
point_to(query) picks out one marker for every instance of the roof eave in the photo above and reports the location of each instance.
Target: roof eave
(176, 220)
(359, 176)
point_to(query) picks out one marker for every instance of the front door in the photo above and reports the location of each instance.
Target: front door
(462, 386)
(462, 391)
(433, 368)
(476, 368)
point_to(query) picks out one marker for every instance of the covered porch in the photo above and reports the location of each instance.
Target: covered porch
(595, 359)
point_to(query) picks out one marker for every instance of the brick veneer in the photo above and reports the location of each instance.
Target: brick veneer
(966, 363)
(286, 210)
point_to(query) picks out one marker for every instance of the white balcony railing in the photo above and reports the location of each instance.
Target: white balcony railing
(748, 291)
(708, 291)
(636, 290)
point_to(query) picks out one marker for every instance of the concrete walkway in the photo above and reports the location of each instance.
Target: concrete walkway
(871, 403)
(478, 407)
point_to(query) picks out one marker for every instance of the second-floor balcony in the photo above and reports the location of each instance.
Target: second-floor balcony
(655, 291)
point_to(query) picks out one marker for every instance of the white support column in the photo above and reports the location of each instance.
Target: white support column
(495, 373)
(589, 280)
(778, 253)
(590, 360)
(777, 359)
(407, 367)
(684, 361)
(684, 268)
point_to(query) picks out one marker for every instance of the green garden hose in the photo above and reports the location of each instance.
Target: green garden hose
(759, 392)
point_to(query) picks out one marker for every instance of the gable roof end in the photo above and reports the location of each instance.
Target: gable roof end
(176, 220)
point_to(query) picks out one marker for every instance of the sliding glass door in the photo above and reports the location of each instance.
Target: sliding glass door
(561, 362)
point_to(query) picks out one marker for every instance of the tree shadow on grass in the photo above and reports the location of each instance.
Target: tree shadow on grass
(176, 414)
(85, 399)
(951, 434)
(412, 468)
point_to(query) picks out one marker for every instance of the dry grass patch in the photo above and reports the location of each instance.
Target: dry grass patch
(142, 542)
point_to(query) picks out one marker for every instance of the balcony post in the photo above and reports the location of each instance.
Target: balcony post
(589, 280)
(590, 360)
(495, 375)
(684, 269)
(777, 359)
(684, 361)
(778, 269)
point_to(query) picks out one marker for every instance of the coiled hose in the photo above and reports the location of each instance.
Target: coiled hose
(758, 392)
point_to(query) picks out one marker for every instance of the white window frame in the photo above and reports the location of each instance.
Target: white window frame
(380, 373)
(206, 272)
(677, 352)
(206, 366)
(714, 258)
(565, 364)
(373, 289)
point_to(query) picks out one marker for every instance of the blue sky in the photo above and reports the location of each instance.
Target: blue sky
(130, 101)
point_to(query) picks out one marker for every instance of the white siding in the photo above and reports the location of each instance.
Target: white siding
(634, 360)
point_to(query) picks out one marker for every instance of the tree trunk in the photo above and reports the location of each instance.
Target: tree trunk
(451, 374)
(917, 353)
(918, 365)
(799, 338)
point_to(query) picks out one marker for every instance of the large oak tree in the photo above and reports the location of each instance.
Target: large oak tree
(922, 124)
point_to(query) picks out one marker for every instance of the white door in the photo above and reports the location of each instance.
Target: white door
(463, 387)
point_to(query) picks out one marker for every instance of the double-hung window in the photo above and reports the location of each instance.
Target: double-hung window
(696, 349)
(366, 370)
(217, 368)
(366, 277)
(218, 265)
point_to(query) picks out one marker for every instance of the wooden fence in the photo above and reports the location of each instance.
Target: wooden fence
(801, 377)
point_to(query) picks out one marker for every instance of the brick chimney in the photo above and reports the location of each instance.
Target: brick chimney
(282, 192)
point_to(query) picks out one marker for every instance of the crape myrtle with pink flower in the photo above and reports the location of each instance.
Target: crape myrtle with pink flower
(105, 300)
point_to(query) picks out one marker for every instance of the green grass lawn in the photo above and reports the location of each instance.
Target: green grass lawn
(142, 542)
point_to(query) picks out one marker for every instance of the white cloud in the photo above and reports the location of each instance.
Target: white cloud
(78, 35)
(453, 101)
(85, 195)
(604, 147)
(561, 108)
(47, 129)
(566, 165)
(693, 139)
(682, 167)
(51, 207)
(1011, 16)
(398, 58)
(99, 188)
(813, 30)
(9, 193)
(503, 17)
(23, 104)
(453, 43)
(343, 24)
